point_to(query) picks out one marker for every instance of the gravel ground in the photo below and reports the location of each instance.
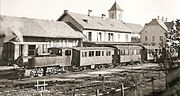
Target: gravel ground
(90, 81)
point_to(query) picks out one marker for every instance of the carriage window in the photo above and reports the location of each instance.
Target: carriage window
(137, 52)
(109, 53)
(130, 52)
(68, 52)
(91, 53)
(106, 53)
(122, 52)
(127, 52)
(31, 49)
(84, 54)
(98, 53)
(102, 53)
(55, 51)
(20, 50)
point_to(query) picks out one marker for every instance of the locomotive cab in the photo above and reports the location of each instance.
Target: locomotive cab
(55, 51)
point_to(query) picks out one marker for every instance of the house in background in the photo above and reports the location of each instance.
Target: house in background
(22, 29)
(101, 29)
(153, 32)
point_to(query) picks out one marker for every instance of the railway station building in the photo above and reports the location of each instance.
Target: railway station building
(99, 30)
(31, 34)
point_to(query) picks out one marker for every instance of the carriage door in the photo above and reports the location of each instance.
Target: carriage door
(118, 56)
(31, 50)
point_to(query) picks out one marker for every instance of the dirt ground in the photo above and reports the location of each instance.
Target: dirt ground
(137, 81)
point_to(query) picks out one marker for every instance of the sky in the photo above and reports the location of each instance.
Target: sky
(135, 11)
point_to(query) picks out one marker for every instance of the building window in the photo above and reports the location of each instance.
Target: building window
(100, 36)
(90, 36)
(113, 16)
(119, 37)
(109, 36)
(153, 38)
(127, 38)
(146, 38)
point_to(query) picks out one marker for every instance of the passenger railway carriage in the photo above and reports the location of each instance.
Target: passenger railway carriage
(150, 53)
(126, 54)
(41, 58)
(92, 57)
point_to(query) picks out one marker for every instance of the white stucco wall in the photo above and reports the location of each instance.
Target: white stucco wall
(117, 37)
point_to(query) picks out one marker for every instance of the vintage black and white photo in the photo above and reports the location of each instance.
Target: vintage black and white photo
(89, 48)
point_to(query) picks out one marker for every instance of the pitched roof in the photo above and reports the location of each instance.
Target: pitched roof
(37, 27)
(104, 24)
(136, 28)
(157, 22)
(115, 7)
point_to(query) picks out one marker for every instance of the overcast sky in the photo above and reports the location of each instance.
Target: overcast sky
(135, 11)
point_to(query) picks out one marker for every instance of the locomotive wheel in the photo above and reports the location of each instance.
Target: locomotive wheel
(82, 68)
(39, 72)
(99, 67)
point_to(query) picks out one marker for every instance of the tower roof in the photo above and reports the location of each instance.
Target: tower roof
(115, 7)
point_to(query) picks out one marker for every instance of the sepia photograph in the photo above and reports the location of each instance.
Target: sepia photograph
(89, 48)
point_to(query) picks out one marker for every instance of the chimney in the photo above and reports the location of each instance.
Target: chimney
(162, 18)
(65, 11)
(166, 19)
(103, 16)
(89, 12)
(158, 18)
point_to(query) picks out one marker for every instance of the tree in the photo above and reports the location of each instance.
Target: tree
(169, 58)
